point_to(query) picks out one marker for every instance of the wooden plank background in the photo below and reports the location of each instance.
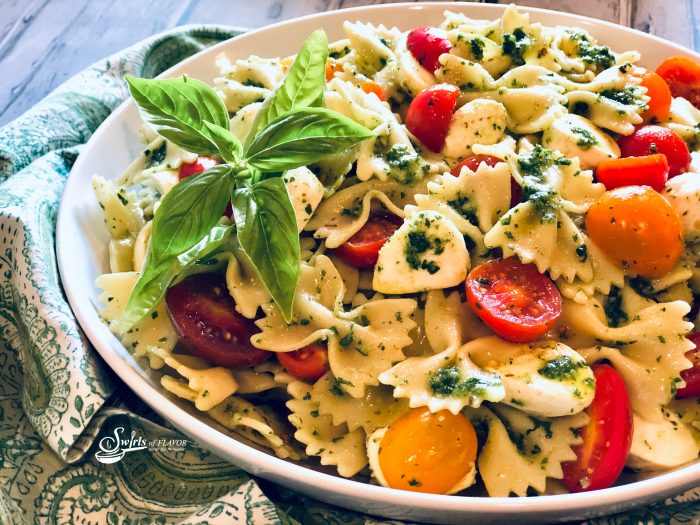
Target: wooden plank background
(45, 42)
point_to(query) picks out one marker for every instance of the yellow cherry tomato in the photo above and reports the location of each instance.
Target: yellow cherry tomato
(637, 229)
(425, 452)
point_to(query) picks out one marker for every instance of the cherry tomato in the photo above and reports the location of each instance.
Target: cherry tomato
(198, 166)
(651, 170)
(424, 452)
(659, 93)
(362, 249)
(473, 162)
(429, 115)
(691, 376)
(308, 363)
(373, 87)
(607, 437)
(637, 229)
(426, 44)
(332, 67)
(649, 140)
(514, 299)
(683, 77)
(204, 316)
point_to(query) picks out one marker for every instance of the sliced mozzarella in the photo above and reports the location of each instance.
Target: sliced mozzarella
(305, 192)
(374, 445)
(480, 121)
(426, 253)
(683, 192)
(242, 121)
(662, 445)
(575, 136)
(546, 378)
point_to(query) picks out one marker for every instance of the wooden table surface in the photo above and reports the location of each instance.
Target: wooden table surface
(44, 42)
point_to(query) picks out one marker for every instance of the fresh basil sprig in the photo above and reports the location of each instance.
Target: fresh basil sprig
(291, 130)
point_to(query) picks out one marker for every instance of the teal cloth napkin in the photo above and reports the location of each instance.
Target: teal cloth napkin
(57, 398)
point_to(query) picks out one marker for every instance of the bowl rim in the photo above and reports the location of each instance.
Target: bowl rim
(303, 478)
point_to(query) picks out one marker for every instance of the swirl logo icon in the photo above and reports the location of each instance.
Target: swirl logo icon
(114, 448)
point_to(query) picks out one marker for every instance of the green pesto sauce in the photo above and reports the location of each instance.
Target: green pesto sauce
(418, 244)
(561, 369)
(536, 189)
(584, 138)
(157, 156)
(515, 45)
(613, 308)
(477, 47)
(462, 205)
(403, 163)
(448, 381)
(627, 96)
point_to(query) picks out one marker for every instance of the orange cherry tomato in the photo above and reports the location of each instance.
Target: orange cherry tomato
(286, 64)
(308, 363)
(607, 437)
(373, 87)
(683, 77)
(514, 299)
(637, 229)
(659, 93)
(332, 67)
(425, 452)
(651, 170)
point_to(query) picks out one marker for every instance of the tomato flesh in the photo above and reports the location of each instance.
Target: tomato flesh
(637, 229)
(426, 44)
(204, 316)
(691, 376)
(425, 452)
(651, 170)
(308, 363)
(514, 299)
(362, 249)
(683, 78)
(659, 95)
(473, 163)
(187, 169)
(373, 87)
(607, 437)
(650, 140)
(428, 117)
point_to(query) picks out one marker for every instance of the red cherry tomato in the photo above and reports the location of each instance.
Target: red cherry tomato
(429, 115)
(683, 77)
(514, 299)
(204, 316)
(308, 363)
(362, 249)
(651, 170)
(659, 95)
(691, 376)
(473, 162)
(649, 140)
(607, 437)
(198, 166)
(426, 44)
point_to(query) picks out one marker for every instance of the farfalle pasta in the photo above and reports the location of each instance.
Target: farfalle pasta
(410, 255)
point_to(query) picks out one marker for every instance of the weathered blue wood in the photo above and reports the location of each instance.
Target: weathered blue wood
(44, 42)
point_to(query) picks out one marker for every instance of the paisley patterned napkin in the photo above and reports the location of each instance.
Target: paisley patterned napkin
(58, 400)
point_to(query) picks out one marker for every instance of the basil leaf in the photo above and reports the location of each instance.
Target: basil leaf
(267, 233)
(227, 143)
(154, 280)
(302, 86)
(303, 137)
(178, 108)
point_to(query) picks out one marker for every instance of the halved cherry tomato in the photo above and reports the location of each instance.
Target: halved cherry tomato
(659, 93)
(429, 114)
(473, 162)
(362, 249)
(332, 67)
(691, 376)
(683, 77)
(198, 166)
(637, 229)
(651, 170)
(308, 363)
(514, 299)
(204, 316)
(649, 140)
(607, 437)
(425, 452)
(426, 44)
(373, 87)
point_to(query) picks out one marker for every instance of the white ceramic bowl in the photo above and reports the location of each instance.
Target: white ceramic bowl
(82, 257)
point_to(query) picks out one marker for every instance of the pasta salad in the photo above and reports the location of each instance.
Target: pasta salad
(455, 256)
